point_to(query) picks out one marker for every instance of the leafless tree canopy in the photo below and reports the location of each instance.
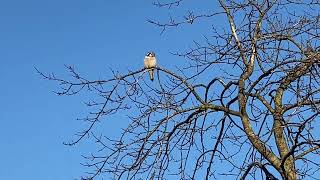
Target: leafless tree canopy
(245, 105)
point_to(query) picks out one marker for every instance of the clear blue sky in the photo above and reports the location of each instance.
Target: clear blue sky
(92, 35)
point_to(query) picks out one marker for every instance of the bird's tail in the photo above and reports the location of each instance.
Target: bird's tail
(151, 73)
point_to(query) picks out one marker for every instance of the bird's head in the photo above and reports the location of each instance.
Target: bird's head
(151, 54)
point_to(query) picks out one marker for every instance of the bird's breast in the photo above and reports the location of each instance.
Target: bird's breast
(150, 62)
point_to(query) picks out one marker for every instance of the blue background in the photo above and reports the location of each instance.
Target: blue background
(91, 35)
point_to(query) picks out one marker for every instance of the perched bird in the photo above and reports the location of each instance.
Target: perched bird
(150, 62)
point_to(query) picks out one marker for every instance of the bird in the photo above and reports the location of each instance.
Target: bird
(150, 63)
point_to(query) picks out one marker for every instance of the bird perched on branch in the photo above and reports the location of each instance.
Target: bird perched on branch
(150, 63)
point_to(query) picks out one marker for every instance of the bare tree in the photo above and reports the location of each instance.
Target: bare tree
(245, 105)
